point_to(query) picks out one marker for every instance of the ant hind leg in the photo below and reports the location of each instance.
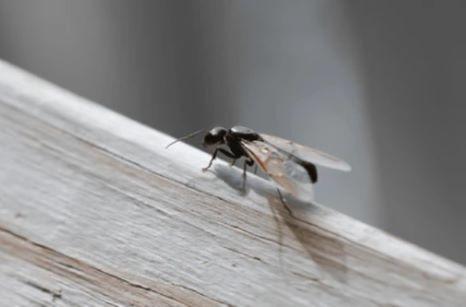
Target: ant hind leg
(282, 199)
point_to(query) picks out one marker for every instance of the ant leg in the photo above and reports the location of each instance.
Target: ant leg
(245, 165)
(255, 170)
(284, 202)
(214, 155)
(247, 162)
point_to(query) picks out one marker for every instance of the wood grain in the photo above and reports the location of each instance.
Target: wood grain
(95, 211)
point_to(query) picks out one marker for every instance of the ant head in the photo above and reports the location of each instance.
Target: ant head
(215, 136)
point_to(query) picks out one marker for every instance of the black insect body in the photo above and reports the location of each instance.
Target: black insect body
(290, 165)
(233, 139)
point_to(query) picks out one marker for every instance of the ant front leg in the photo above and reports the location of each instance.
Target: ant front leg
(214, 155)
(247, 162)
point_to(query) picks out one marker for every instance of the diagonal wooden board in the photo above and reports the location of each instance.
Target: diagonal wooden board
(95, 211)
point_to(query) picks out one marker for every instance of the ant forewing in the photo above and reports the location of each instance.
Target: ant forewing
(284, 170)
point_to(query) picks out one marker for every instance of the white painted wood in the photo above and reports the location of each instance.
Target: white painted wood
(95, 211)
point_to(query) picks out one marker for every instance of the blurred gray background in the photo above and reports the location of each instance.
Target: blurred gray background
(379, 83)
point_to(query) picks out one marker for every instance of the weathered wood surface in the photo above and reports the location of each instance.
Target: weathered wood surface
(94, 211)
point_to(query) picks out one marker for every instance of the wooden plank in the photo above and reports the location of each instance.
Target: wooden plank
(94, 210)
(41, 276)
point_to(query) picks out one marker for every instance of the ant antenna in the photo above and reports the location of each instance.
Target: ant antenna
(188, 136)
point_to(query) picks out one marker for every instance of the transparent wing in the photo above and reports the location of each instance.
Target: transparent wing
(283, 170)
(306, 153)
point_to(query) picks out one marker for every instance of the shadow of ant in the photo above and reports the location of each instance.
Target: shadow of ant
(324, 250)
